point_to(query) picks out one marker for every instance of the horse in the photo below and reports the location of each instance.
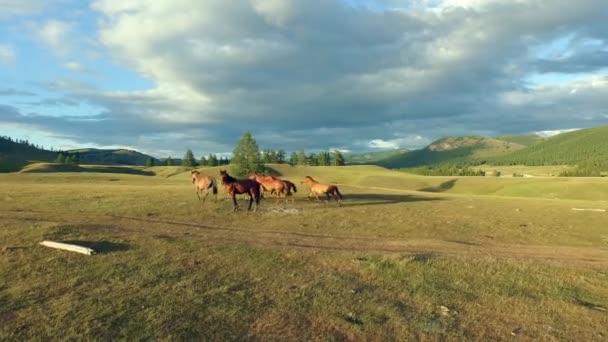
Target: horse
(242, 186)
(275, 186)
(290, 185)
(204, 183)
(317, 189)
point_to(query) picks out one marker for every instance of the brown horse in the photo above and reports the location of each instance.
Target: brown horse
(275, 186)
(290, 185)
(242, 186)
(204, 183)
(317, 189)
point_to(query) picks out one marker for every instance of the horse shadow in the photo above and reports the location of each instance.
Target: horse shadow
(445, 186)
(365, 199)
(101, 247)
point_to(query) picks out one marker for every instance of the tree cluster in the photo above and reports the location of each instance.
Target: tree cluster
(324, 158)
(67, 158)
(445, 170)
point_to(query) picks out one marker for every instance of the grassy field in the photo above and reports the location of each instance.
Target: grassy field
(405, 257)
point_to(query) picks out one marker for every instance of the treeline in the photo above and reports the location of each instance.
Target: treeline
(325, 158)
(6, 141)
(446, 170)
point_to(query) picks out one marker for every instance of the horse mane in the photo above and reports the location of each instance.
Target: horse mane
(227, 177)
(311, 179)
(194, 172)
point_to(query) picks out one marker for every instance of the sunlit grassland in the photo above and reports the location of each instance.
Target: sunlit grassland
(405, 257)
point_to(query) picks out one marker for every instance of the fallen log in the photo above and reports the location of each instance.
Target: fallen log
(68, 247)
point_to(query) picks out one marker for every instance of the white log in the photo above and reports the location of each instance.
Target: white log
(584, 209)
(68, 247)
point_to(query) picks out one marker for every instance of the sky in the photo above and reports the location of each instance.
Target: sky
(163, 76)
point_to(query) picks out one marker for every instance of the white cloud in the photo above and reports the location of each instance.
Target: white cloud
(74, 66)
(55, 34)
(7, 54)
(551, 133)
(317, 73)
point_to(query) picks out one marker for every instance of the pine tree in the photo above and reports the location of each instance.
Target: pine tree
(60, 158)
(189, 160)
(281, 155)
(338, 158)
(149, 162)
(293, 158)
(324, 159)
(246, 156)
(302, 158)
(312, 160)
(169, 161)
(203, 161)
(212, 160)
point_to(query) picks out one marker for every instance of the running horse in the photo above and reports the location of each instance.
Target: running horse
(204, 183)
(241, 186)
(274, 185)
(317, 189)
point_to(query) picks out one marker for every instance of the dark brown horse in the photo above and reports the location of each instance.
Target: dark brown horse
(241, 186)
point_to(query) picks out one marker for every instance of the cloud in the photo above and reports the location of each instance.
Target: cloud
(10, 8)
(7, 54)
(55, 34)
(74, 66)
(318, 73)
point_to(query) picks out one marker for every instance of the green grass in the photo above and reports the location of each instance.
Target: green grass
(381, 267)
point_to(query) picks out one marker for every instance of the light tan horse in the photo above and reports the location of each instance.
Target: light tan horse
(275, 186)
(290, 185)
(317, 189)
(204, 183)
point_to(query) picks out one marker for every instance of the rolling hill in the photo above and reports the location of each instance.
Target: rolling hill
(114, 157)
(585, 147)
(470, 149)
(373, 157)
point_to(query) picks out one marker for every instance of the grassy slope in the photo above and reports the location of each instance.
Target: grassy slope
(381, 267)
(451, 150)
(564, 149)
(373, 157)
(521, 139)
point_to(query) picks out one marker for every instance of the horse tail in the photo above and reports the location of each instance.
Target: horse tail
(335, 188)
(214, 185)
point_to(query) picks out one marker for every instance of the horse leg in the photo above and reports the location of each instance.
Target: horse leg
(327, 198)
(198, 195)
(206, 194)
(251, 194)
(235, 205)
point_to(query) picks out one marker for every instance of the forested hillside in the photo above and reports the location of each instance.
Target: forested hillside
(15, 153)
(585, 147)
(464, 150)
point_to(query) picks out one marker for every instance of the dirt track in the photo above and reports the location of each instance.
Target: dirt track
(128, 227)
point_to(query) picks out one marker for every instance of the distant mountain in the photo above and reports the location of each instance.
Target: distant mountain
(15, 154)
(522, 139)
(588, 147)
(469, 149)
(373, 157)
(115, 157)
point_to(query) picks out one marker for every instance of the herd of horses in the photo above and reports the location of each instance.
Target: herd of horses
(255, 186)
